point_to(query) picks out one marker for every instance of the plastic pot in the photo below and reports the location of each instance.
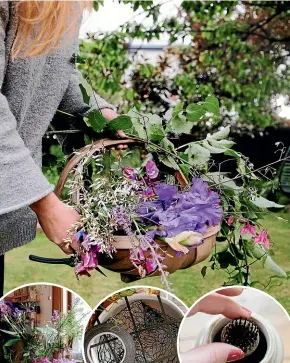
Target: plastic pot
(274, 351)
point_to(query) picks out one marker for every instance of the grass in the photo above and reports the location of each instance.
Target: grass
(188, 285)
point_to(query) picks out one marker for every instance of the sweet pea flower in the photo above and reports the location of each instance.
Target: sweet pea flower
(151, 170)
(42, 360)
(129, 173)
(150, 265)
(262, 238)
(231, 220)
(88, 262)
(186, 238)
(249, 228)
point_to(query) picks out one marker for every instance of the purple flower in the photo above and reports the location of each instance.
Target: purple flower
(129, 173)
(89, 261)
(4, 308)
(174, 212)
(55, 316)
(151, 170)
(83, 239)
(150, 265)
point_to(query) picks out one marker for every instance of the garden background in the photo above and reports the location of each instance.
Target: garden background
(153, 54)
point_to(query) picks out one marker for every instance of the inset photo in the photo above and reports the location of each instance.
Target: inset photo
(235, 324)
(135, 325)
(42, 324)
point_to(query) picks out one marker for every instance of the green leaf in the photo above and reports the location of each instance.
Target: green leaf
(87, 90)
(9, 332)
(167, 144)
(96, 120)
(177, 109)
(86, 97)
(270, 265)
(138, 123)
(156, 133)
(203, 271)
(197, 154)
(233, 153)
(212, 149)
(222, 181)
(12, 342)
(122, 122)
(220, 135)
(169, 161)
(195, 112)
(211, 104)
(262, 202)
(225, 144)
(180, 125)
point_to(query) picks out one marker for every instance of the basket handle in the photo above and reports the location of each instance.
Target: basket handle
(90, 150)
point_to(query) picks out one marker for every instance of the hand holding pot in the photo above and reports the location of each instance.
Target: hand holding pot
(214, 304)
(56, 219)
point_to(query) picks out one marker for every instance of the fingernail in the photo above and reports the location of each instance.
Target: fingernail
(235, 355)
(247, 310)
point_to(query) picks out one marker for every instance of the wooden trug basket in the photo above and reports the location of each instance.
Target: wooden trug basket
(121, 262)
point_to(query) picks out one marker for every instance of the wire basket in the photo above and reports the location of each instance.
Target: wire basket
(139, 331)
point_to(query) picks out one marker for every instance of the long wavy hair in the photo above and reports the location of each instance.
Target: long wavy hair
(43, 24)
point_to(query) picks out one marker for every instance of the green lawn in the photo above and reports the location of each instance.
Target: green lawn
(187, 284)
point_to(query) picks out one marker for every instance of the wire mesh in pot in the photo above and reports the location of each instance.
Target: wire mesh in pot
(153, 331)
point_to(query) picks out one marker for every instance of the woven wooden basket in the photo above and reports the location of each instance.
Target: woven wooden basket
(121, 262)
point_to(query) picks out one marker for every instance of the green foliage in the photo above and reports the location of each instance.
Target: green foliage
(233, 52)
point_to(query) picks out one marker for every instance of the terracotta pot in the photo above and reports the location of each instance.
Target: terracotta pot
(18, 352)
(58, 354)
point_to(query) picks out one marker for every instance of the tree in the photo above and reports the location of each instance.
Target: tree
(237, 50)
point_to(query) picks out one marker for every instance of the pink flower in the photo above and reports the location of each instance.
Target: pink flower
(231, 220)
(149, 192)
(137, 256)
(42, 360)
(129, 173)
(262, 238)
(55, 316)
(150, 265)
(4, 309)
(89, 262)
(151, 170)
(249, 228)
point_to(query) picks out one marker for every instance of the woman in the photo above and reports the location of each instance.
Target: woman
(38, 41)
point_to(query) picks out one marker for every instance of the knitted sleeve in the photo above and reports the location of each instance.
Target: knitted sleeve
(21, 180)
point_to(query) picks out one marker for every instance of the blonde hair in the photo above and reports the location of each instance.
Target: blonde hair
(42, 25)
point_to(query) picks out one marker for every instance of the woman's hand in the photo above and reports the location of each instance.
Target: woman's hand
(213, 353)
(56, 219)
(214, 304)
(110, 115)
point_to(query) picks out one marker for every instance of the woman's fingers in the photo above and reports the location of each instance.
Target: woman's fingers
(231, 291)
(66, 248)
(213, 353)
(121, 134)
(215, 304)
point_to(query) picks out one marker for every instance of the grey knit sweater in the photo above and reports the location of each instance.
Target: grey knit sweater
(32, 90)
